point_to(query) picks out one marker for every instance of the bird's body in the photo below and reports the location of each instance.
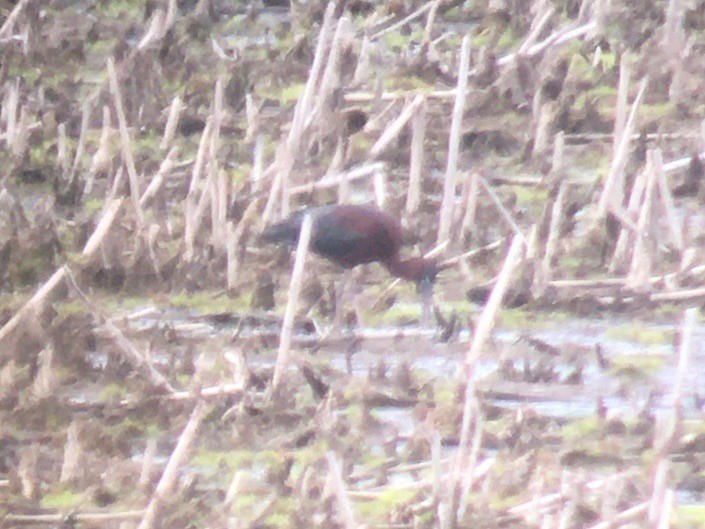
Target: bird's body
(350, 235)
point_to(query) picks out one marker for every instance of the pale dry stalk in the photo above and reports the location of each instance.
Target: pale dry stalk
(217, 187)
(489, 314)
(543, 272)
(500, 207)
(426, 42)
(11, 19)
(344, 505)
(543, 15)
(614, 177)
(404, 21)
(448, 200)
(43, 293)
(292, 304)
(92, 518)
(20, 139)
(675, 225)
(543, 129)
(395, 127)
(101, 160)
(157, 182)
(172, 122)
(234, 240)
(27, 471)
(257, 164)
(86, 109)
(72, 468)
(45, 381)
(167, 483)
(10, 106)
(126, 145)
(379, 185)
(62, 154)
(150, 453)
(472, 202)
(557, 160)
(416, 162)
(138, 360)
(620, 111)
(328, 182)
(643, 253)
(288, 151)
(252, 116)
(626, 235)
(362, 69)
(192, 198)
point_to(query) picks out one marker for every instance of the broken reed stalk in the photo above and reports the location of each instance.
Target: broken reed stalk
(491, 310)
(543, 129)
(333, 181)
(12, 103)
(557, 159)
(62, 150)
(685, 352)
(101, 159)
(614, 177)
(234, 239)
(401, 23)
(110, 214)
(77, 517)
(675, 225)
(150, 453)
(394, 128)
(292, 304)
(544, 269)
(193, 197)
(167, 483)
(157, 182)
(288, 151)
(458, 486)
(426, 42)
(330, 82)
(126, 145)
(344, 506)
(172, 123)
(666, 436)
(257, 164)
(72, 466)
(216, 184)
(82, 136)
(305, 102)
(138, 360)
(643, 253)
(448, 201)
(472, 201)
(629, 515)
(537, 25)
(11, 19)
(416, 162)
(45, 381)
(252, 118)
(620, 111)
(504, 212)
(379, 185)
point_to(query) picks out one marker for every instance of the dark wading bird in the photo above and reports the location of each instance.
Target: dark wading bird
(351, 235)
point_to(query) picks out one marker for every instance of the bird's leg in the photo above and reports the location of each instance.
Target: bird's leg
(341, 291)
(425, 290)
(356, 291)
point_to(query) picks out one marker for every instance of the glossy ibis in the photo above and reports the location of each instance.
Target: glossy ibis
(350, 235)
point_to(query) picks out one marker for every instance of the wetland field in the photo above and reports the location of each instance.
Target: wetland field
(161, 367)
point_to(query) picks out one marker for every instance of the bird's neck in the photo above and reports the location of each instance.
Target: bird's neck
(412, 269)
